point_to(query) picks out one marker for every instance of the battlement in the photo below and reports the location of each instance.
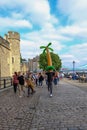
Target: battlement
(4, 43)
(12, 35)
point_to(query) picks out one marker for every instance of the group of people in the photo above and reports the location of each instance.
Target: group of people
(20, 81)
(29, 81)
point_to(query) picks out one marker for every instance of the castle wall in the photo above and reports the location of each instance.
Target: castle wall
(14, 39)
(4, 61)
(9, 54)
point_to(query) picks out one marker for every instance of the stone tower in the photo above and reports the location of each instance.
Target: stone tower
(14, 39)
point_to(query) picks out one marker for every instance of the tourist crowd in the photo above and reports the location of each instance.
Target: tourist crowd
(28, 81)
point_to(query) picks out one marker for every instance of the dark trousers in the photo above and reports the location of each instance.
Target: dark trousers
(29, 87)
(50, 87)
(55, 81)
(36, 82)
(40, 83)
(15, 87)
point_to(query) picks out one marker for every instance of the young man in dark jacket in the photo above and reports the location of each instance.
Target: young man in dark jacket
(50, 75)
(21, 83)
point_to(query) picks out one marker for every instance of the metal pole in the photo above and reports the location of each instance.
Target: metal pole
(73, 69)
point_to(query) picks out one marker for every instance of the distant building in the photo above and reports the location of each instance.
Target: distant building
(34, 64)
(9, 54)
(24, 66)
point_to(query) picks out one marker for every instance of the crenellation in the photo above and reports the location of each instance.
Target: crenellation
(4, 43)
(6, 37)
(13, 35)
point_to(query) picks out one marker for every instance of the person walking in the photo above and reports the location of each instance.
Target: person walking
(21, 84)
(50, 75)
(41, 78)
(56, 78)
(15, 82)
(30, 85)
(36, 79)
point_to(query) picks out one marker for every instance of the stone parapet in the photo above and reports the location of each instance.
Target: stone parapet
(13, 35)
(4, 43)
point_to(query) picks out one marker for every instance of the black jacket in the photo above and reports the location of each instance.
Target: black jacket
(50, 76)
(21, 79)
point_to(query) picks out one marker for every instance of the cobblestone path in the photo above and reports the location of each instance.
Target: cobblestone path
(66, 110)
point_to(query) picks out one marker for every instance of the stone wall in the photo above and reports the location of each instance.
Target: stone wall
(9, 54)
(14, 39)
(4, 61)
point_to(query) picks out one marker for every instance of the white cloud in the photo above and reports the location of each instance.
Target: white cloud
(23, 13)
(80, 49)
(37, 13)
(74, 9)
(35, 40)
(76, 53)
(67, 56)
(74, 31)
(9, 22)
(16, 15)
(29, 49)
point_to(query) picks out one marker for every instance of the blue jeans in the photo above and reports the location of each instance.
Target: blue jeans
(40, 83)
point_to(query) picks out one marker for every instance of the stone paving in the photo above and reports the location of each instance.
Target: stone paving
(81, 85)
(76, 82)
(66, 110)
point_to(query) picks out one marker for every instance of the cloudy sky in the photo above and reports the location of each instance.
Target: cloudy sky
(62, 22)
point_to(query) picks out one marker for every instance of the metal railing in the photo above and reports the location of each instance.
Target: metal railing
(5, 82)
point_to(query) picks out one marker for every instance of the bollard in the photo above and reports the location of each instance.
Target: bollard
(4, 83)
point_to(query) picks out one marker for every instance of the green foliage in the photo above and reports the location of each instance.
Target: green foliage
(22, 59)
(43, 61)
(56, 61)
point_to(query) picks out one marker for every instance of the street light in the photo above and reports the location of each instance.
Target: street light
(73, 69)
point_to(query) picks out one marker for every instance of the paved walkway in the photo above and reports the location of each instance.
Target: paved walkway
(76, 82)
(66, 110)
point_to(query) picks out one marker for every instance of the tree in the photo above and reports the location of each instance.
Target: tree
(56, 61)
(22, 59)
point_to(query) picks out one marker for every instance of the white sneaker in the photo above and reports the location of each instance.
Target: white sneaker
(20, 96)
(50, 95)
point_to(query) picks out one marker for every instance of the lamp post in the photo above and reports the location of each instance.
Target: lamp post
(73, 70)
